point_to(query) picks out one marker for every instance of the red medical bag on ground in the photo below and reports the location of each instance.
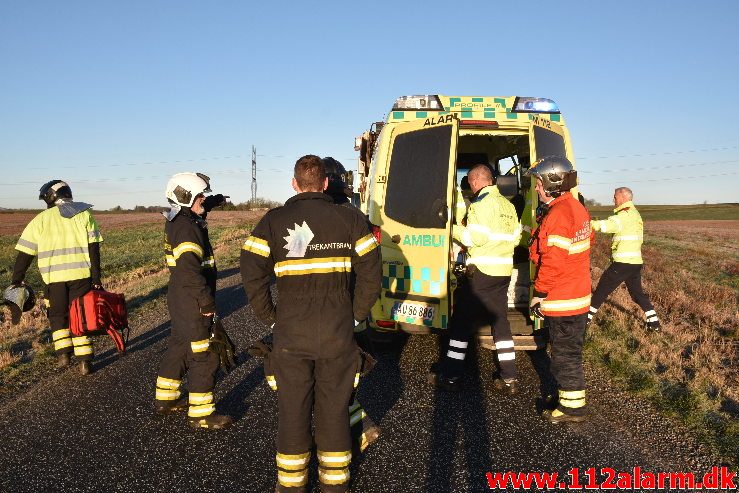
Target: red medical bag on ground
(100, 311)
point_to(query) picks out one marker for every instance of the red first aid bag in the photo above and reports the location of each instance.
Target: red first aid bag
(97, 312)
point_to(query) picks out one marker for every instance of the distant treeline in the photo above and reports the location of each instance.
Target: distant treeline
(250, 205)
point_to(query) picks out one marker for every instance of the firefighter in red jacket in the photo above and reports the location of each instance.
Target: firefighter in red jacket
(560, 251)
(312, 246)
(191, 302)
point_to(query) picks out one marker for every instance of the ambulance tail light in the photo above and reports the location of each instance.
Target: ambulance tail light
(385, 324)
(377, 233)
(535, 105)
(478, 124)
(421, 103)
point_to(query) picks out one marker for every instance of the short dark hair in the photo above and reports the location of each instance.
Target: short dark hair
(310, 173)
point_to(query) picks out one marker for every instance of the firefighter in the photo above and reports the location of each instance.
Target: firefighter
(560, 251)
(312, 246)
(191, 302)
(340, 189)
(490, 234)
(628, 229)
(66, 240)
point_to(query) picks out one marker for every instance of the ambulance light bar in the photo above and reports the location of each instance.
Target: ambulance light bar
(535, 105)
(420, 103)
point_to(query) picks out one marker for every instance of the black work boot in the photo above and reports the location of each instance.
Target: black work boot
(654, 326)
(86, 367)
(170, 407)
(448, 384)
(556, 416)
(212, 422)
(509, 387)
(63, 360)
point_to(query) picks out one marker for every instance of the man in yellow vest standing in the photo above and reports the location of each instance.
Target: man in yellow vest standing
(490, 234)
(66, 240)
(628, 229)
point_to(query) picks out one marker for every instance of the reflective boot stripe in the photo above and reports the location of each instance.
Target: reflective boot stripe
(292, 479)
(292, 462)
(271, 382)
(572, 398)
(333, 476)
(168, 383)
(200, 398)
(334, 459)
(357, 416)
(167, 395)
(62, 339)
(82, 345)
(201, 411)
(199, 346)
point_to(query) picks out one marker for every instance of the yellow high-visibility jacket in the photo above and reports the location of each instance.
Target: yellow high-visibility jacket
(491, 233)
(628, 230)
(61, 244)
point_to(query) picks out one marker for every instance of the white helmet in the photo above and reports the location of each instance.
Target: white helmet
(182, 188)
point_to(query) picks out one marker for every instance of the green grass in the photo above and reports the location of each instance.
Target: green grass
(676, 212)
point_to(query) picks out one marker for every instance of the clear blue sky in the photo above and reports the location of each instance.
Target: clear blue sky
(111, 95)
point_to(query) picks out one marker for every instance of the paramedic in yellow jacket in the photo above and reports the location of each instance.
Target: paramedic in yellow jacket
(490, 234)
(66, 240)
(627, 228)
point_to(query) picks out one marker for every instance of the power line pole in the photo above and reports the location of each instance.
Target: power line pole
(253, 173)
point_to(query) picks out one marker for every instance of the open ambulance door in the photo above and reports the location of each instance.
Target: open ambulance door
(417, 221)
(546, 138)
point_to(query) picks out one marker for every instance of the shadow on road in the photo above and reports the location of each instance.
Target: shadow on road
(459, 419)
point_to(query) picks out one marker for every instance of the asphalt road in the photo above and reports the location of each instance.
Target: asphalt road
(98, 433)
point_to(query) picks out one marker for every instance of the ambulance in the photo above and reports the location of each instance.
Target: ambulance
(410, 185)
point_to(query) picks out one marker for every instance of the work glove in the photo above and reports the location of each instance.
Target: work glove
(535, 304)
(222, 345)
(212, 201)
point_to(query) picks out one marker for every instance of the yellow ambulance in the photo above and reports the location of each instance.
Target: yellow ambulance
(410, 185)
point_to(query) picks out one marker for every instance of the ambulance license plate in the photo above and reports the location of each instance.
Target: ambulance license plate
(408, 309)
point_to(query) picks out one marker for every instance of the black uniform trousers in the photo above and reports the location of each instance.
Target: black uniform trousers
(614, 275)
(59, 296)
(567, 335)
(187, 352)
(483, 299)
(322, 387)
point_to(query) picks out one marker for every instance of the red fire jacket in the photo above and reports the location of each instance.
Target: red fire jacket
(560, 250)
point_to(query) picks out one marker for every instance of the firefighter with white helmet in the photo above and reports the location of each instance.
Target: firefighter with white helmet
(560, 250)
(66, 241)
(191, 303)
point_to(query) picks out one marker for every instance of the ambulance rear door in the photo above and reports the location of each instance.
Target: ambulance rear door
(417, 220)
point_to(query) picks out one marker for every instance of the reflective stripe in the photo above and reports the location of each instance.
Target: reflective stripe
(627, 238)
(81, 341)
(256, 245)
(354, 406)
(334, 459)
(565, 305)
(296, 462)
(507, 356)
(490, 261)
(559, 241)
(365, 245)
(200, 398)
(170, 260)
(200, 411)
(357, 417)
(62, 251)
(455, 355)
(467, 238)
(626, 254)
(82, 350)
(292, 479)
(648, 313)
(271, 382)
(94, 235)
(356, 379)
(652, 318)
(208, 262)
(329, 476)
(459, 344)
(571, 394)
(168, 383)
(60, 334)
(67, 266)
(572, 403)
(62, 343)
(580, 246)
(27, 244)
(199, 346)
(313, 266)
(504, 345)
(187, 246)
(167, 395)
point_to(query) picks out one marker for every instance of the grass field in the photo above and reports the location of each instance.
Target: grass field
(132, 257)
(691, 369)
(677, 212)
